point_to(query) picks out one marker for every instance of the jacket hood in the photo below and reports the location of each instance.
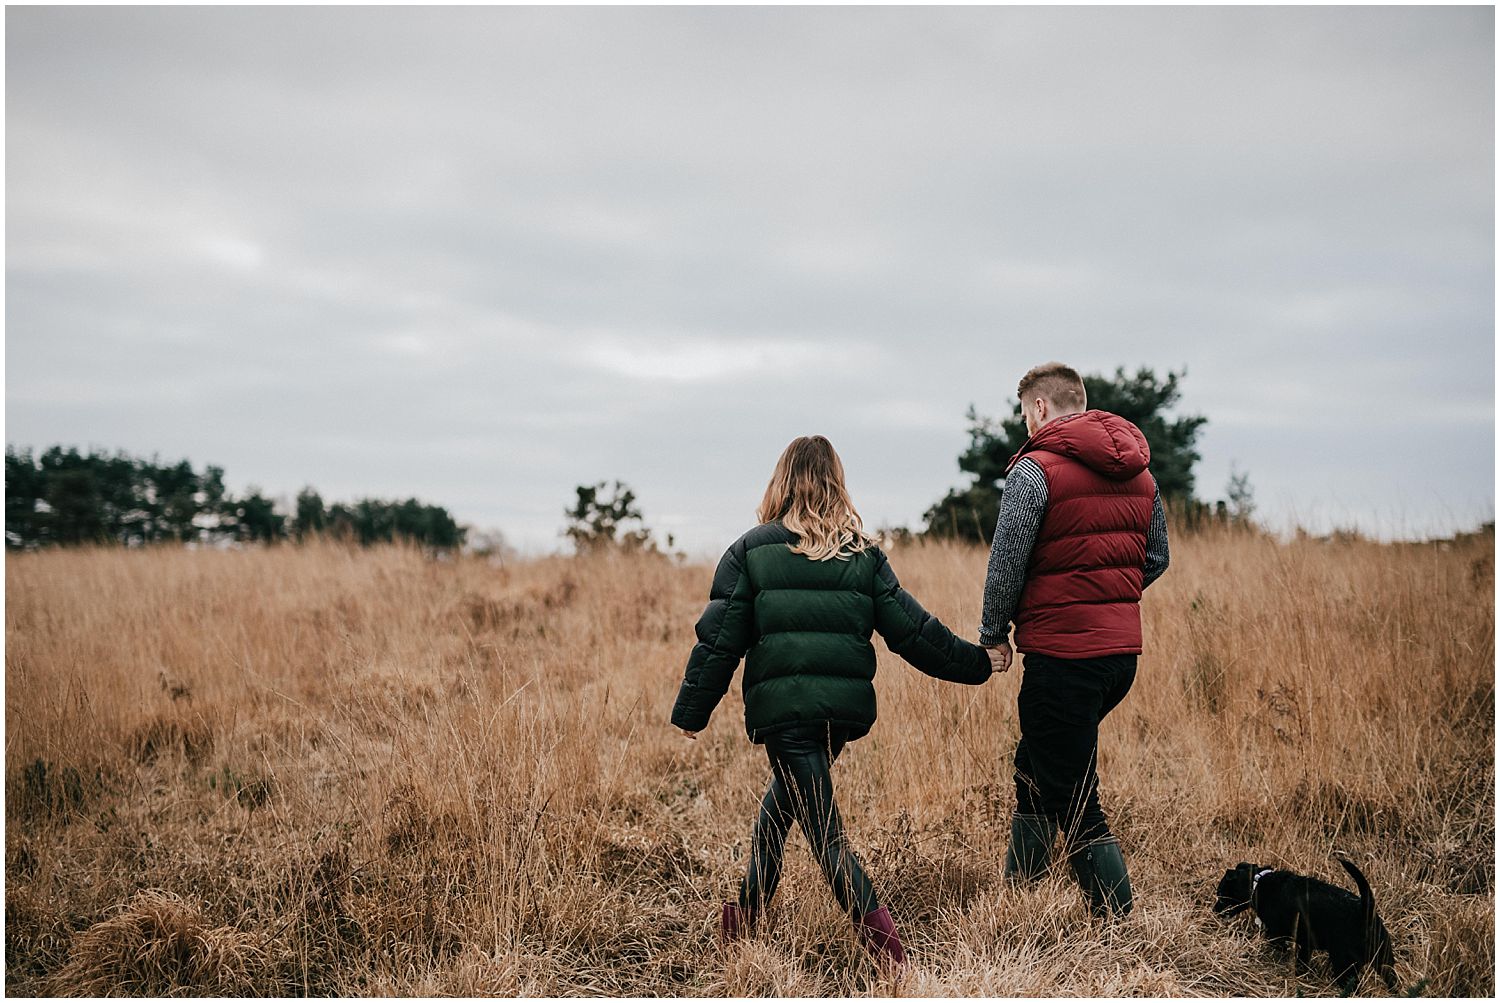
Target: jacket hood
(1103, 442)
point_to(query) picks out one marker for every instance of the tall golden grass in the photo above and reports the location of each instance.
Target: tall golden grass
(332, 771)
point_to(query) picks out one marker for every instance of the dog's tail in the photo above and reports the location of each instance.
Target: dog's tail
(1366, 897)
(1377, 948)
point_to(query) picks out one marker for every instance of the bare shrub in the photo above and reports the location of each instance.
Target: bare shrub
(48, 790)
(191, 737)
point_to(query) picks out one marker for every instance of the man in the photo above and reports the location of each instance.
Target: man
(1081, 533)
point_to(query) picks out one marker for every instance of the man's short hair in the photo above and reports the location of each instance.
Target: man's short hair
(1059, 384)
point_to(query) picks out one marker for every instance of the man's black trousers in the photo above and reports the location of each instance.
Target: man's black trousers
(1061, 703)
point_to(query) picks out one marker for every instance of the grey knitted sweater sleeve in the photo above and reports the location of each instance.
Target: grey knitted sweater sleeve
(1022, 506)
(1158, 554)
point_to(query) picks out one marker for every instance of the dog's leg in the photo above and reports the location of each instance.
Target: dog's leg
(1385, 961)
(1301, 942)
(1345, 969)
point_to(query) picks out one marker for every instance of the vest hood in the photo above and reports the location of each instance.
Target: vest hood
(1101, 441)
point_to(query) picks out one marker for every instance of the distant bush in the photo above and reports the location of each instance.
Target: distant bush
(600, 521)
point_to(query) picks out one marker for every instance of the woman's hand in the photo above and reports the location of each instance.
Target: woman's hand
(690, 734)
(1000, 656)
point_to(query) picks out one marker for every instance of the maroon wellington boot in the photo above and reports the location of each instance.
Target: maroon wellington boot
(734, 923)
(878, 932)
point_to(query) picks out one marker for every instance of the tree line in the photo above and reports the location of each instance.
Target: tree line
(62, 496)
(65, 497)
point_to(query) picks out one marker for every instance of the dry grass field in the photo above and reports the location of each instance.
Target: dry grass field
(333, 771)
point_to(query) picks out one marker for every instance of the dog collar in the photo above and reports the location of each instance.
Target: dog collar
(1254, 888)
(1249, 903)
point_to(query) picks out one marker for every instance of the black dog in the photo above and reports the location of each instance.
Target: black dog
(1316, 916)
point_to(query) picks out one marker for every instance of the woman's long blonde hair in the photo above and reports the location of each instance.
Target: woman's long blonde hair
(807, 494)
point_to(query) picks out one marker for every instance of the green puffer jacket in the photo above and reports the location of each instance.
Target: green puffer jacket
(806, 627)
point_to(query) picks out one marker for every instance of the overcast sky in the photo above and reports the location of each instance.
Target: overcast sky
(484, 255)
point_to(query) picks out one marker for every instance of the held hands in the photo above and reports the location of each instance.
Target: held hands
(1000, 656)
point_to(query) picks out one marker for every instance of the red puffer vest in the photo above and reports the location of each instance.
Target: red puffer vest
(1083, 585)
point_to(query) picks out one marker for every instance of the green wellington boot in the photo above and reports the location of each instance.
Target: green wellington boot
(1100, 870)
(1030, 851)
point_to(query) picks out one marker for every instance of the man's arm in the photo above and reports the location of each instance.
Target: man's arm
(1157, 555)
(1021, 508)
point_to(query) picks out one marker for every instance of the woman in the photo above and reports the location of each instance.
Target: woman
(798, 597)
